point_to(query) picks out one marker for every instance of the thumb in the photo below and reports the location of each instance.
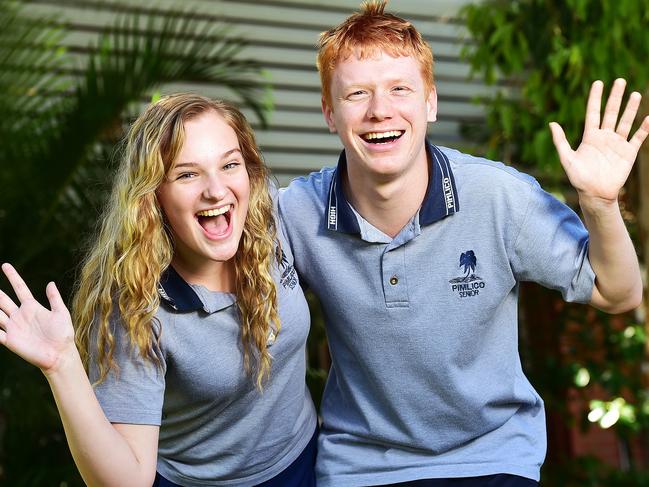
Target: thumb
(54, 297)
(561, 143)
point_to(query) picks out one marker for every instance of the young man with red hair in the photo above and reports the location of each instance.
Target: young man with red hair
(420, 299)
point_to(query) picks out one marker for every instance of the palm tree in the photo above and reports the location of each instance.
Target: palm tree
(58, 128)
(469, 261)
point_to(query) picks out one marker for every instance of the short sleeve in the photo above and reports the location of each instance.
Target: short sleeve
(551, 248)
(133, 393)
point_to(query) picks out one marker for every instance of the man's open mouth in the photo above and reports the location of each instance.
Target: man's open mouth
(382, 137)
(215, 221)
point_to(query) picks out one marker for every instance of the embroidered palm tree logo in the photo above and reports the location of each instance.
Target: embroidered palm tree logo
(288, 275)
(281, 257)
(469, 261)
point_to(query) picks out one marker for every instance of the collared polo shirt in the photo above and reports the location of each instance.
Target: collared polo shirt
(426, 379)
(216, 428)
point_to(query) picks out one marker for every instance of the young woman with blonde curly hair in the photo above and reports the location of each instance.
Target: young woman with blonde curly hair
(189, 318)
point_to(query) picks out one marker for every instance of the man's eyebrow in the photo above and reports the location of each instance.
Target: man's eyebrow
(403, 79)
(390, 81)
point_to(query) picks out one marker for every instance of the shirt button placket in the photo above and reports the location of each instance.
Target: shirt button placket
(394, 283)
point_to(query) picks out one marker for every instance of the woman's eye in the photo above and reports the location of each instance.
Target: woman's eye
(185, 175)
(231, 165)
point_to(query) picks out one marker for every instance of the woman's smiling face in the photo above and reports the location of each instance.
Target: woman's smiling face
(205, 194)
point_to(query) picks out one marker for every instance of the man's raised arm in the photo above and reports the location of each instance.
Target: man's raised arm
(597, 170)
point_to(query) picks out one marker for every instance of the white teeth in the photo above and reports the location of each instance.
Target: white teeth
(214, 212)
(382, 135)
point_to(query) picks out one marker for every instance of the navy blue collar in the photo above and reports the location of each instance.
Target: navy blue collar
(439, 202)
(177, 293)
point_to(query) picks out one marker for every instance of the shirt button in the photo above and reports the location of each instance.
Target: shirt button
(394, 280)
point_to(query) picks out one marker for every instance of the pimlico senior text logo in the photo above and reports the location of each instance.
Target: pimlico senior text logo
(469, 284)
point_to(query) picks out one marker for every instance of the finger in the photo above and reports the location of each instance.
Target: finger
(561, 143)
(20, 288)
(7, 305)
(4, 320)
(624, 127)
(4, 323)
(613, 104)
(640, 134)
(593, 106)
(54, 297)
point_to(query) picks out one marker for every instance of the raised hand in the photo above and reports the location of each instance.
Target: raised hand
(41, 336)
(601, 164)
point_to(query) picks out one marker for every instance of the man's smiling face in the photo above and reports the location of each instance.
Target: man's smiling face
(380, 110)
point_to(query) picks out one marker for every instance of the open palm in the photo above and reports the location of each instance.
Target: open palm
(602, 162)
(39, 335)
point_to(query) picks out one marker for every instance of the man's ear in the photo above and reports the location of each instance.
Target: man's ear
(328, 115)
(431, 104)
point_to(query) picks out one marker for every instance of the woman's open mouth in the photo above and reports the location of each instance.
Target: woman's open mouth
(216, 221)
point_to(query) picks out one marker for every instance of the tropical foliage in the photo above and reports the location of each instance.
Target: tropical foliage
(61, 114)
(542, 56)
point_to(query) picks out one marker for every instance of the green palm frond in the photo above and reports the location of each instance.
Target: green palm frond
(29, 59)
(131, 61)
(55, 141)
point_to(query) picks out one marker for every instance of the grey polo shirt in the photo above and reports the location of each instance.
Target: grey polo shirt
(426, 379)
(216, 428)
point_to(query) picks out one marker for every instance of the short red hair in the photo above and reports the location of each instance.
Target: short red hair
(364, 34)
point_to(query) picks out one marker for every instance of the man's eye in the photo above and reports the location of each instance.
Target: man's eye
(356, 94)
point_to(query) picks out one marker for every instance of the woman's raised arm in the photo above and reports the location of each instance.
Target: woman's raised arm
(105, 454)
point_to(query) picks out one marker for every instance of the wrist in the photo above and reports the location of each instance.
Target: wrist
(597, 205)
(67, 362)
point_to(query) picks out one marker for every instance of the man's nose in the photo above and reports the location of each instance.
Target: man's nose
(380, 107)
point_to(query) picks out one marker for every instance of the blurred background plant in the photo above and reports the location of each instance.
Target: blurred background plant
(542, 56)
(60, 120)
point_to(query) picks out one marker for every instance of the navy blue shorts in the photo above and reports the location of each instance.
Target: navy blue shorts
(300, 473)
(499, 480)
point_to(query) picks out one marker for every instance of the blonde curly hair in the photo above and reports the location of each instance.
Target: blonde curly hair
(133, 248)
